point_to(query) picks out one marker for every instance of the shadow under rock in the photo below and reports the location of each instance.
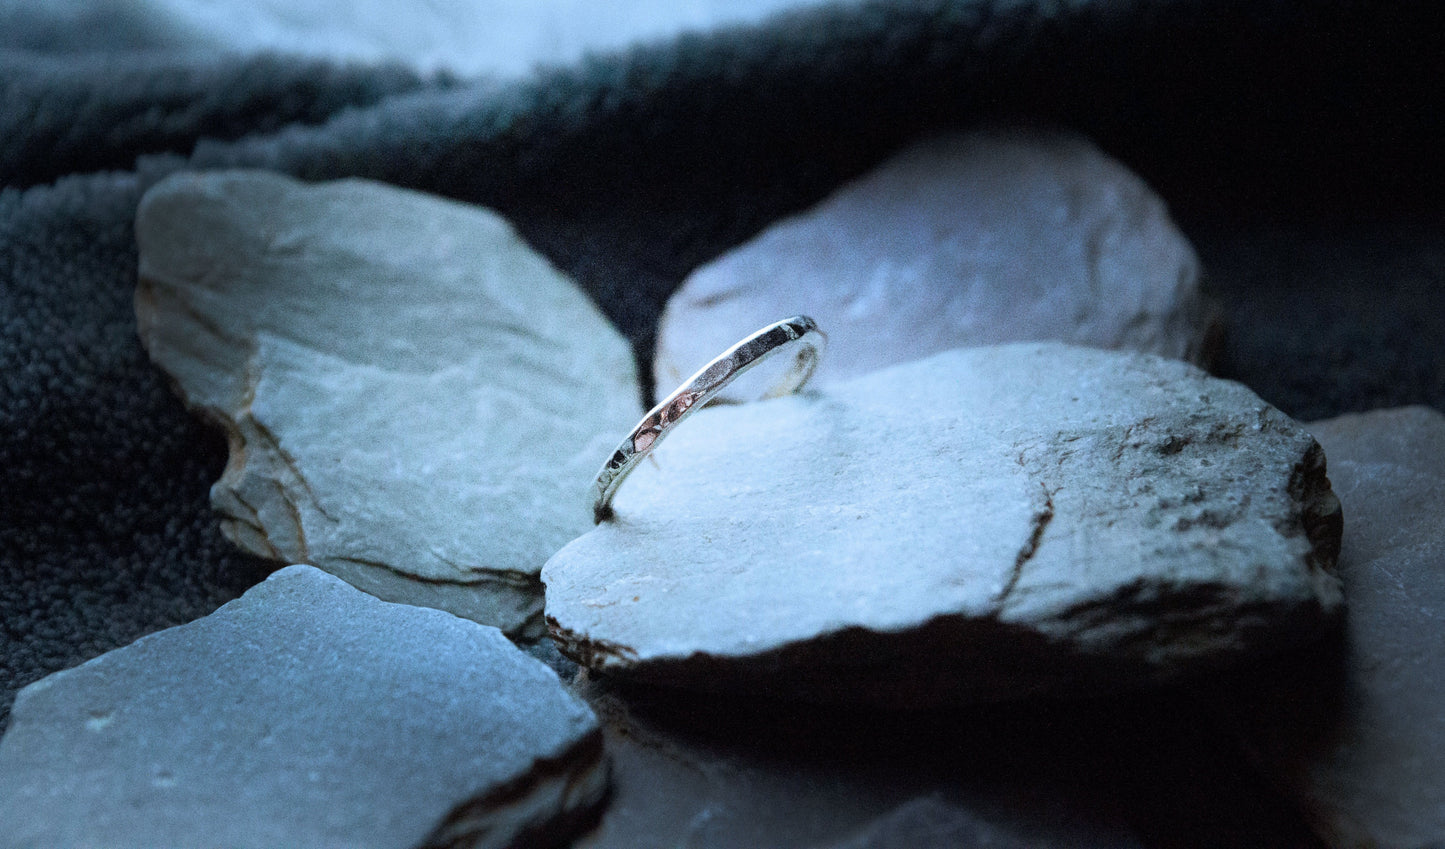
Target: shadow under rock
(1156, 769)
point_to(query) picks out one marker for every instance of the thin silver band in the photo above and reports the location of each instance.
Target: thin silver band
(798, 333)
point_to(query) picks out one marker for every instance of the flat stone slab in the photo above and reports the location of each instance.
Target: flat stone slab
(966, 239)
(1360, 739)
(416, 401)
(983, 524)
(303, 714)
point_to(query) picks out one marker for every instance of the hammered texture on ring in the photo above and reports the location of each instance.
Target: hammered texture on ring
(799, 333)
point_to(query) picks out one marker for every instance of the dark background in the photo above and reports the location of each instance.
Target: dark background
(1297, 144)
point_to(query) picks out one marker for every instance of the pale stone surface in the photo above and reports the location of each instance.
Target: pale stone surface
(1361, 740)
(416, 401)
(969, 239)
(710, 776)
(495, 37)
(304, 714)
(981, 524)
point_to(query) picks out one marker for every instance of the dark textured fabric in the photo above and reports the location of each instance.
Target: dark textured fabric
(1333, 316)
(1297, 144)
(105, 533)
(96, 111)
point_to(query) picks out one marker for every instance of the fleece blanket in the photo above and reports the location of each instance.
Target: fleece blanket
(1297, 144)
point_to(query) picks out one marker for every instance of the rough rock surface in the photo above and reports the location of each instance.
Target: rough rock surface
(970, 239)
(415, 399)
(981, 524)
(304, 714)
(1360, 738)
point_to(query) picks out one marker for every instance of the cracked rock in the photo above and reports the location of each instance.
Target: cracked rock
(982, 524)
(303, 714)
(415, 399)
(965, 239)
(1359, 736)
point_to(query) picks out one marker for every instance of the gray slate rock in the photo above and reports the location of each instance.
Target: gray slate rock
(967, 239)
(304, 714)
(982, 524)
(415, 399)
(1361, 742)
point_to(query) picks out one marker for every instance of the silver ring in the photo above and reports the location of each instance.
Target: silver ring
(799, 332)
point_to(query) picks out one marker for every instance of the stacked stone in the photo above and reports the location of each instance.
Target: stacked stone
(1007, 483)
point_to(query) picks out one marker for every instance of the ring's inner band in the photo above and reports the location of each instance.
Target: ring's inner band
(798, 334)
